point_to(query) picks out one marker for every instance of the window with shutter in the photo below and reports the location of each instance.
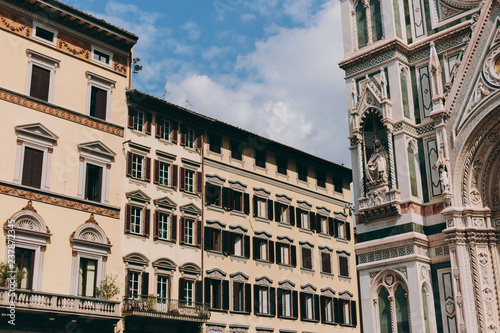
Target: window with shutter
(32, 167)
(237, 150)
(238, 296)
(282, 165)
(326, 263)
(306, 258)
(213, 195)
(302, 172)
(188, 231)
(98, 102)
(135, 219)
(343, 266)
(215, 143)
(93, 183)
(24, 259)
(260, 157)
(40, 83)
(320, 178)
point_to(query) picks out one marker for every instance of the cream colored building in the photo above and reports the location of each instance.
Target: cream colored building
(62, 102)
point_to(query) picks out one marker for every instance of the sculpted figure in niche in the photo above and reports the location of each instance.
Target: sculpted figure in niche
(445, 183)
(376, 168)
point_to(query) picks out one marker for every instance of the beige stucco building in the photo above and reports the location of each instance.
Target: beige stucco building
(62, 102)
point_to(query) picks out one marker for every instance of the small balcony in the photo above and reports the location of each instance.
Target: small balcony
(164, 308)
(26, 300)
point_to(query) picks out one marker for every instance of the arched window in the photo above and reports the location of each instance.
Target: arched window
(426, 311)
(404, 94)
(361, 24)
(401, 310)
(413, 171)
(384, 308)
(376, 20)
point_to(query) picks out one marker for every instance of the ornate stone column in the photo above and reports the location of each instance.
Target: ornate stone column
(392, 171)
(394, 319)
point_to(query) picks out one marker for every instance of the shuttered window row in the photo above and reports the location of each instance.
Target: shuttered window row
(227, 242)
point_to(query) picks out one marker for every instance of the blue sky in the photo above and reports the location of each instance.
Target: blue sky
(268, 66)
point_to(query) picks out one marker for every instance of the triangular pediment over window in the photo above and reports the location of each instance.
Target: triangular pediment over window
(165, 203)
(96, 148)
(139, 196)
(190, 209)
(36, 131)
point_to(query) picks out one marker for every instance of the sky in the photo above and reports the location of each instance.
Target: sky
(268, 66)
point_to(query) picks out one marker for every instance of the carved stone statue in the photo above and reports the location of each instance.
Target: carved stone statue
(376, 167)
(445, 183)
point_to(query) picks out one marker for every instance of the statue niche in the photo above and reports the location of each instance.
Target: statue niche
(376, 157)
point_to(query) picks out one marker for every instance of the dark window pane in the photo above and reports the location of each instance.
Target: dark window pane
(282, 165)
(100, 56)
(93, 183)
(25, 260)
(87, 277)
(98, 102)
(45, 34)
(236, 150)
(302, 171)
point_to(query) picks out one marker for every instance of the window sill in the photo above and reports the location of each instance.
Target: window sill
(309, 320)
(306, 231)
(321, 188)
(329, 323)
(345, 278)
(190, 194)
(215, 154)
(326, 274)
(191, 150)
(287, 318)
(162, 240)
(238, 258)
(284, 225)
(307, 270)
(139, 133)
(343, 240)
(237, 213)
(346, 325)
(281, 175)
(264, 315)
(239, 312)
(237, 161)
(166, 142)
(261, 219)
(286, 266)
(215, 208)
(136, 235)
(217, 310)
(192, 246)
(303, 182)
(215, 253)
(327, 236)
(137, 181)
(259, 168)
(263, 262)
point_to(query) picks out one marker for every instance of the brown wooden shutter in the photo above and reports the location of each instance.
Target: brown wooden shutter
(199, 140)
(316, 307)
(272, 303)
(270, 206)
(277, 211)
(254, 205)
(198, 289)
(312, 221)
(156, 225)
(175, 131)
(291, 211)
(147, 218)
(246, 246)
(295, 304)
(182, 290)
(348, 230)
(158, 129)
(298, 215)
(156, 178)
(129, 163)
(271, 251)
(174, 176)
(278, 253)
(225, 242)
(173, 234)
(147, 176)
(225, 295)
(354, 320)
(40, 83)
(336, 228)
(208, 282)
(293, 253)
(183, 135)
(280, 303)
(181, 227)
(256, 250)
(101, 98)
(248, 297)
(226, 193)
(336, 311)
(256, 302)
(130, 118)
(208, 239)
(145, 284)
(236, 299)
(182, 178)
(246, 203)
(128, 216)
(322, 302)
(32, 167)
(199, 230)
(332, 227)
(149, 119)
(199, 182)
(302, 306)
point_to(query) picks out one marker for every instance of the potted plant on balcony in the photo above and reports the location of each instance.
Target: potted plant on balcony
(7, 272)
(107, 288)
(151, 302)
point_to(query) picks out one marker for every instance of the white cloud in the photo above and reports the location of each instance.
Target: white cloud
(192, 29)
(248, 17)
(293, 90)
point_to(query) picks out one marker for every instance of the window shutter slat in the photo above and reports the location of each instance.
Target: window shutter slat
(298, 215)
(302, 306)
(336, 310)
(256, 250)
(230, 243)
(174, 176)
(236, 299)
(272, 302)
(248, 297)
(256, 299)
(270, 207)
(207, 241)
(332, 230)
(199, 182)
(149, 119)
(278, 253)
(158, 127)
(354, 320)
(348, 230)
(291, 209)
(322, 300)
(128, 214)
(199, 140)
(225, 294)
(173, 234)
(145, 284)
(254, 206)
(226, 191)
(147, 217)
(207, 290)
(277, 211)
(312, 221)
(175, 131)
(129, 164)
(295, 304)
(271, 251)
(147, 176)
(225, 241)
(182, 178)
(156, 178)
(130, 119)
(182, 290)
(199, 229)
(101, 103)
(183, 135)
(316, 307)
(294, 255)
(279, 301)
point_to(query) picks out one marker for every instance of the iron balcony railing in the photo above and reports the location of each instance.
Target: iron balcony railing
(167, 308)
(27, 299)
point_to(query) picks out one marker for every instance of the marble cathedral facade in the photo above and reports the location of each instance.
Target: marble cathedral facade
(423, 88)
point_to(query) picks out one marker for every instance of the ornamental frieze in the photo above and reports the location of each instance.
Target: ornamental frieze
(80, 119)
(57, 201)
(15, 23)
(120, 64)
(72, 45)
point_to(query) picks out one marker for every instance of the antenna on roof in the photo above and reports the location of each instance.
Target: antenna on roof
(137, 68)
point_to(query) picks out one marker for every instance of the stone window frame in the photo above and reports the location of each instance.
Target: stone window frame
(43, 61)
(101, 82)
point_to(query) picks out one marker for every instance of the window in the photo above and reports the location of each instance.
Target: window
(190, 138)
(327, 314)
(284, 213)
(260, 158)
(326, 262)
(213, 239)
(361, 24)
(237, 150)
(337, 184)
(282, 164)
(188, 231)
(217, 293)
(238, 245)
(262, 208)
(133, 284)
(40, 81)
(162, 288)
(263, 249)
(341, 229)
(236, 200)
(41, 76)
(137, 220)
(343, 265)
(303, 219)
(213, 195)
(215, 143)
(320, 178)
(93, 184)
(87, 277)
(138, 284)
(264, 300)
(138, 166)
(190, 292)
(309, 306)
(25, 262)
(302, 172)
(286, 254)
(98, 103)
(286, 303)
(162, 173)
(101, 56)
(163, 226)
(238, 296)
(306, 257)
(44, 34)
(138, 120)
(32, 167)
(162, 128)
(323, 224)
(99, 96)
(189, 181)
(347, 312)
